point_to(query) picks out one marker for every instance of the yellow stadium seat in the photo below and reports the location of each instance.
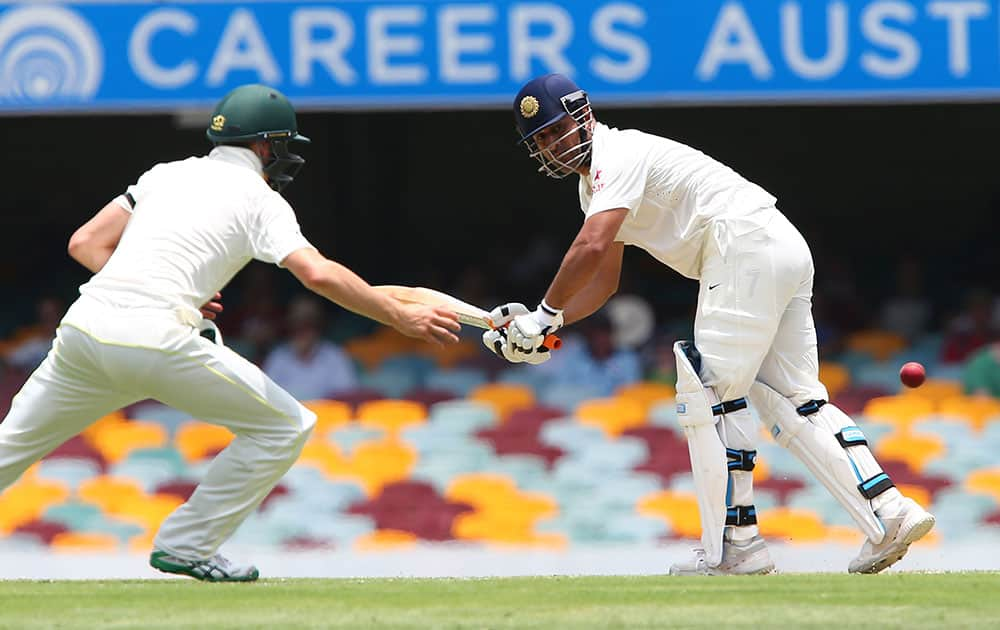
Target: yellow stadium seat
(377, 463)
(108, 492)
(499, 529)
(612, 415)
(325, 457)
(83, 542)
(385, 539)
(330, 414)
(834, 376)
(501, 512)
(148, 511)
(116, 441)
(391, 415)
(985, 481)
(196, 440)
(919, 494)
(381, 344)
(112, 419)
(902, 411)
(794, 525)
(975, 410)
(937, 390)
(27, 499)
(761, 470)
(647, 393)
(678, 509)
(480, 489)
(880, 344)
(504, 397)
(916, 449)
(448, 355)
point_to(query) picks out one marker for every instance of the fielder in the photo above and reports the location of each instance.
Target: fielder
(160, 251)
(754, 336)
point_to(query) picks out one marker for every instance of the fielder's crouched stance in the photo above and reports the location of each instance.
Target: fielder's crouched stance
(755, 340)
(159, 253)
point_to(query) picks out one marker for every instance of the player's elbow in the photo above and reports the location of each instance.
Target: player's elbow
(312, 276)
(79, 244)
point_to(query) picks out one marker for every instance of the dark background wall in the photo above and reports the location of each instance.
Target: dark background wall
(424, 196)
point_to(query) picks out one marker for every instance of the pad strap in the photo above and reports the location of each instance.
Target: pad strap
(740, 515)
(810, 407)
(729, 406)
(741, 460)
(875, 486)
(851, 436)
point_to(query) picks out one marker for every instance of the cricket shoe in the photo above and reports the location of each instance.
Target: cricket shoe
(214, 569)
(910, 524)
(748, 557)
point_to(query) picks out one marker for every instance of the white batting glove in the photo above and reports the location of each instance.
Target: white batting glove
(505, 313)
(527, 332)
(496, 341)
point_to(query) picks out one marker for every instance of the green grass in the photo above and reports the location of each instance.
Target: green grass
(896, 600)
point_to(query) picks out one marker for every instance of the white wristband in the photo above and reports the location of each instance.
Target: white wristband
(546, 314)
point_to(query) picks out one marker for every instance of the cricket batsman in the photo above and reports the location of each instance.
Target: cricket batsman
(754, 337)
(160, 252)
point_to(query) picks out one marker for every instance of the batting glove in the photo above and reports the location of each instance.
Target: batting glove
(496, 341)
(505, 313)
(527, 332)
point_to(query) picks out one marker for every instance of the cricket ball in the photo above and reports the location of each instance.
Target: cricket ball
(912, 374)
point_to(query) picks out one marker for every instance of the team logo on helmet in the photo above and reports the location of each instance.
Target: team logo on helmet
(529, 106)
(48, 53)
(218, 122)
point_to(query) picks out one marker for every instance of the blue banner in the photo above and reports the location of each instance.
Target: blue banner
(155, 56)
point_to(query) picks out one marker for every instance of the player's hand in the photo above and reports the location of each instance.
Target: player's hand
(212, 308)
(526, 333)
(505, 313)
(496, 341)
(433, 324)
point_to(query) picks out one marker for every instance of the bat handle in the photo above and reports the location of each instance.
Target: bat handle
(552, 342)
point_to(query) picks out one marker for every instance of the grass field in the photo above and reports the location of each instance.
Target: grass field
(901, 600)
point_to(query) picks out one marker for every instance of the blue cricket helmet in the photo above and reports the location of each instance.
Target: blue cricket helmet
(543, 101)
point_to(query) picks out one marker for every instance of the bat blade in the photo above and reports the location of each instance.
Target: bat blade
(467, 313)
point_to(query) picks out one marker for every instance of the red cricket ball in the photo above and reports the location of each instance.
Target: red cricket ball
(912, 374)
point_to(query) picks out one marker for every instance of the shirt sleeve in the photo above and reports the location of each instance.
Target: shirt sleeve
(130, 198)
(617, 182)
(277, 233)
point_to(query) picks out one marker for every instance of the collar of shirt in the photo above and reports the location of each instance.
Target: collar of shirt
(237, 155)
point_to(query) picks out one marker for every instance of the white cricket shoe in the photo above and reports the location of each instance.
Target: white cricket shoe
(749, 557)
(909, 525)
(214, 569)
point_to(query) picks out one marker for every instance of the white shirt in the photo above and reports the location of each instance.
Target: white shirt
(328, 370)
(672, 191)
(195, 223)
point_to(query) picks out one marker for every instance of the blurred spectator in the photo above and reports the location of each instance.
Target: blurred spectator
(590, 359)
(971, 329)
(844, 309)
(256, 324)
(307, 365)
(31, 344)
(908, 311)
(981, 375)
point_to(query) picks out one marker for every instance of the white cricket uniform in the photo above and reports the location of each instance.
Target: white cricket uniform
(707, 222)
(134, 334)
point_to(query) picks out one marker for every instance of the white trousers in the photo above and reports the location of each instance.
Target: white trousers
(754, 319)
(102, 360)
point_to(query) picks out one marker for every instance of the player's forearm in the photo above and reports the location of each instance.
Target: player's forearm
(91, 256)
(578, 269)
(339, 284)
(587, 302)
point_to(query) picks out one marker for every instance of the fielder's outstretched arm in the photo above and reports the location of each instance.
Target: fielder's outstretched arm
(342, 286)
(93, 242)
(594, 242)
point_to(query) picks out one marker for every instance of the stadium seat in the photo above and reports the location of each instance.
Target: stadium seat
(27, 499)
(41, 530)
(78, 447)
(459, 381)
(385, 540)
(108, 492)
(97, 427)
(647, 393)
(612, 415)
(501, 512)
(84, 542)
(414, 507)
(504, 398)
(679, 510)
(667, 452)
(429, 397)
(197, 440)
(375, 464)
(835, 376)
(974, 410)
(390, 415)
(902, 411)
(69, 470)
(449, 355)
(937, 390)
(146, 511)
(565, 396)
(792, 525)
(916, 449)
(389, 382)
(330, 414)
(880, 344)
(117, 440)
(464, 416)
(985, 481)
(325, 457)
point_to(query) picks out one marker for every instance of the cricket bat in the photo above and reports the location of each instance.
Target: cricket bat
(467, 313)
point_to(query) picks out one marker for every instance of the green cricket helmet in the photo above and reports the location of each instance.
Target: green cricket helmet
(257, 112)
